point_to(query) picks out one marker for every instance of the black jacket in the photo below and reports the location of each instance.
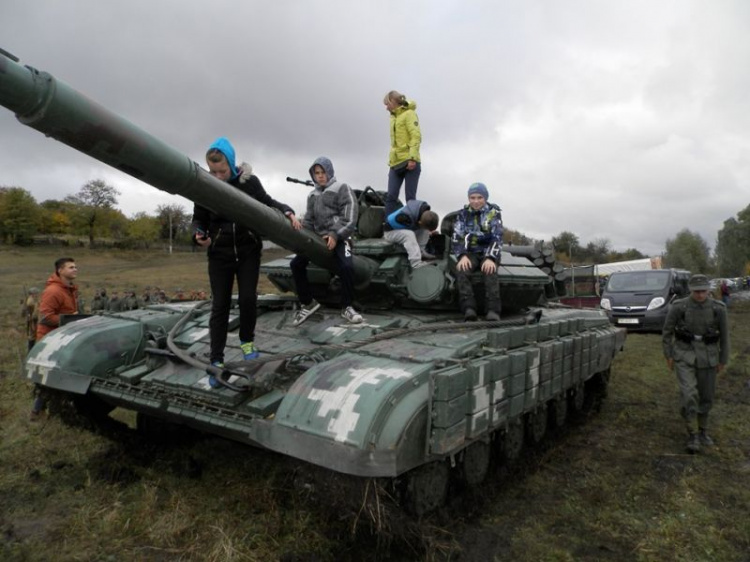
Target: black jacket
(226, 234)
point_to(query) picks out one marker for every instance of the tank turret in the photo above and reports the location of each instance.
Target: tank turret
(413, 396)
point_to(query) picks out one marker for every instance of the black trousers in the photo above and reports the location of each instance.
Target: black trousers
(223, 267)
(466, 297)
(345, 271)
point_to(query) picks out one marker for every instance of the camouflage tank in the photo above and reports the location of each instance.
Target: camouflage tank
(413, 395)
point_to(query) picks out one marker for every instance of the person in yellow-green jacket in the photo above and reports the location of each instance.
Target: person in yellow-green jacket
(403, 159)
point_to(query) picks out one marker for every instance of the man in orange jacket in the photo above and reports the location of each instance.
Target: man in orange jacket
(60, 296)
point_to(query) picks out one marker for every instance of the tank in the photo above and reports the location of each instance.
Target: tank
(413, 396)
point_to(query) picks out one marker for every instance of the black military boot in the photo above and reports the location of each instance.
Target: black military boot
(470, 315)
(705, 438)
(693, 444)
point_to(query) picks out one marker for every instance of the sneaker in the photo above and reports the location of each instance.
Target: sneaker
(693, 443)
(705, 439)
(351, 315)
(305, 311)
(213, 382)
(249, 351)
(470, 315)
(492, 316)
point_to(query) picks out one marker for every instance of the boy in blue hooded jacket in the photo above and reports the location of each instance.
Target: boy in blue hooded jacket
(332, 214)
(234, 250)
(411, 226)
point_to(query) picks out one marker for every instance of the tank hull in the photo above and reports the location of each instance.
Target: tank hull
(374, 400)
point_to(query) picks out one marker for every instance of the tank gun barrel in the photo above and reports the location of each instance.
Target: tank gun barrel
(50, 106)
(303, 182)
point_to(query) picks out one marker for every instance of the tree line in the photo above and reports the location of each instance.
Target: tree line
(91, 212)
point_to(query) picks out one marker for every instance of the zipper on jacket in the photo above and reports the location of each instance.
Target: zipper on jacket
(218, 235)
(234, 242)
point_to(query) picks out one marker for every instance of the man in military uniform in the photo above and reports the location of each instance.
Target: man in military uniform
(31, 313)
(100, 301)
(129, 301)
(696, 344)
(114, 304)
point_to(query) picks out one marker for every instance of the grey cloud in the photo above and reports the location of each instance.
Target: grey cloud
(587, 116)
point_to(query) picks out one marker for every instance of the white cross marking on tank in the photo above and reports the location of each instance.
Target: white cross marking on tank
(54, 341)
(534, 367)
(345, 398)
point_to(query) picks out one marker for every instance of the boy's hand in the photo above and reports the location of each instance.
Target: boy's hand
(330, 241)
(201, 238)
(296, 225)
(489, 267)
(411, 164)
(464, 264)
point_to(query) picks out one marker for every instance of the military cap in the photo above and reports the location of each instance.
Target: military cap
(699, 282)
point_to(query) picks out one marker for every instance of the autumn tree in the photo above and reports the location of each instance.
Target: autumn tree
(629, 254)
(19, 215)
(733, 245)
(92, 203)
(597, 251)
(174, 217)
(143, 228)
(55, 216)
(566, 244)
(688, 250)
(515, 237)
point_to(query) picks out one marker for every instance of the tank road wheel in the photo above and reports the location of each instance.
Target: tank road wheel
(537, 424)
(476, 463)
(512, 442)
(596, 390)
(87, 412)
(427, 487)
(577, 398)
(160, 431)
(559, 413)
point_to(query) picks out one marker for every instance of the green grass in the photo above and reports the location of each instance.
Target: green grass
(618, 487)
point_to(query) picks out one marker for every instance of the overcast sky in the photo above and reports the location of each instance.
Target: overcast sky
(625, 120)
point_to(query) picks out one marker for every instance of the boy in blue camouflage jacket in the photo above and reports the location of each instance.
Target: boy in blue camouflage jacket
(476, 242)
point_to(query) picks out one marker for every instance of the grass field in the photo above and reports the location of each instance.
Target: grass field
(618, 487)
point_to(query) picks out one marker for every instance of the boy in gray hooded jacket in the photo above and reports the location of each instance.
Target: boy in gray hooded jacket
(332, 214)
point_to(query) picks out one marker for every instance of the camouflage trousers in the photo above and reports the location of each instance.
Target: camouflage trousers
(697, 388)
(466, 296)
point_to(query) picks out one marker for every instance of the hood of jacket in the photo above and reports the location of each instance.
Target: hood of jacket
(55, 279)
(410, 104)
(223, 145)
(327, 165)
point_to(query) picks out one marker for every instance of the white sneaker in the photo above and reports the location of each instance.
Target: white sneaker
(305, 311)
(351, 315)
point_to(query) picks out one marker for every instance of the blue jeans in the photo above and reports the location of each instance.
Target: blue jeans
(397, 176)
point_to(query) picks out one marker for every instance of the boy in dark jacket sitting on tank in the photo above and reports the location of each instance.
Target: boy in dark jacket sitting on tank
(411, 226)
(332, 214)
(476, 242)
(233, 250)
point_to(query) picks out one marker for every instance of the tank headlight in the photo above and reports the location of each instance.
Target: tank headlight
(656, 303)
(605, 304)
